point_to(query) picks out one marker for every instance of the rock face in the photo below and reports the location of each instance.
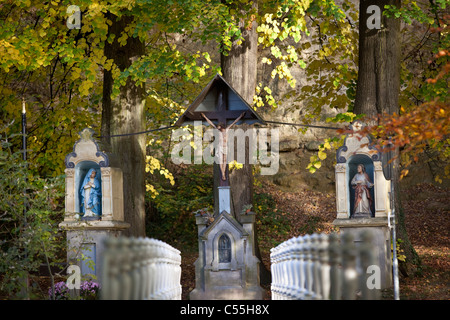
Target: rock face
(293, 175)
(296, 147)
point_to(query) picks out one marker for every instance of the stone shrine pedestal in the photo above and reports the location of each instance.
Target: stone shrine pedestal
(86, 228)
(381, 244)
(227, 268)
(359, 162)
(85, 243)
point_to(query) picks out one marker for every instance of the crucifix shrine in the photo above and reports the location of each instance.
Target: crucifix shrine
(221, 107)
(227, 267)
(222, 148)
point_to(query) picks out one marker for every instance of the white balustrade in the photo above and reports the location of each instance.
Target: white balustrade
(322, 267)
(140, 269)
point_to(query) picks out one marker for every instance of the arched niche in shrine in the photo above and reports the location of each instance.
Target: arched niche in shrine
(107, 184)
(358, 149)
(352, 169)
(82, 170)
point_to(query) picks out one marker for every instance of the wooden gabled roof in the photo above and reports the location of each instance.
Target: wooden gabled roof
(221, 104)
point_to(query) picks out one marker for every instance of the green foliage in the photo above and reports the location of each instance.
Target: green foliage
(27, 237)
(424, 76)
(400, 252)
(425, 51)
(272, 225)
(172, 216)
(60, 71)
(332, 69)
(331, 144)
(311, 226)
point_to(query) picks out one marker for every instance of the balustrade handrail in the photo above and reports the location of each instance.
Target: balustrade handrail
(140, 269)
(322, 267)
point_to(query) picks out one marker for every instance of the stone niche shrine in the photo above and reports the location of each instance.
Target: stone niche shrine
(363, 197)
(93, 204)
(227, 268)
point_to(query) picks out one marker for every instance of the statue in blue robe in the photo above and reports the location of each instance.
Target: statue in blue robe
(91, 196)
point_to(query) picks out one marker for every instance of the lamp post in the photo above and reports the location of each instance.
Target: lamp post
(387, 170)
(24, 128)
(24, 158)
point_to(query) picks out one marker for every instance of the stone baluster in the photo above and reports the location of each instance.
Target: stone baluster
(120, 265)
(296, 251)
(301, 267)
(335, 271)
(135, 272)
(166, 265)
(281, 272)
(273, 272)
(289, 272)
(146, 268)
(308, 267)
(275, 266)
(159, 279)
(152, 270)
(317, 295)
(367, 260)
(324, 267)
(349, 267)
(174, 275)
(159, 271)
(115, 270)
(126, 268)
(143, 269)
(178, 281)
(281, 259)
(110, 271)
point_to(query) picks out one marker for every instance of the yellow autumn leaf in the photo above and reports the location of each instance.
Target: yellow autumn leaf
(322, 155)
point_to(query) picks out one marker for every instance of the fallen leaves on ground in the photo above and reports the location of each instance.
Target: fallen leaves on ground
(426, 218)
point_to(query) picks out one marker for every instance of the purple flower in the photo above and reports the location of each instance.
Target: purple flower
(89, 290)
(61, 291)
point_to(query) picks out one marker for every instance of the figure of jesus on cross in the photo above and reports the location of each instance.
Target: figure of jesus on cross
(221, 151)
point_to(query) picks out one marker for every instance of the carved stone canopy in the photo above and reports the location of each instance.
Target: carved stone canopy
(357, 144)
(87, 149)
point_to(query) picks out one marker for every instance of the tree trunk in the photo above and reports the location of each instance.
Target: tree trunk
(239, 69)
(122, 115)
(378, 86)
(378, 91)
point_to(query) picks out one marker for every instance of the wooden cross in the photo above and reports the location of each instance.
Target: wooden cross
(221, 113)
